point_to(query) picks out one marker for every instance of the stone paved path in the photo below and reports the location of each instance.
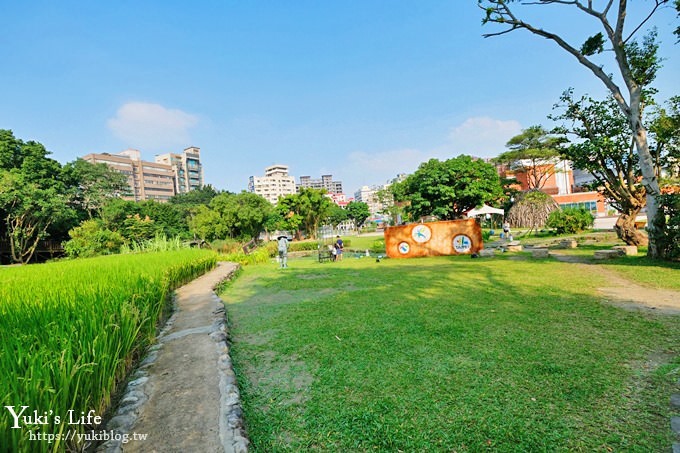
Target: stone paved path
(179, 400)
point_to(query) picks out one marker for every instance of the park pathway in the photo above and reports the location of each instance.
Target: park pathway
(184, 398)
(626, 294)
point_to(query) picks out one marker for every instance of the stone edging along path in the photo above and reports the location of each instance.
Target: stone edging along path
(183, 396)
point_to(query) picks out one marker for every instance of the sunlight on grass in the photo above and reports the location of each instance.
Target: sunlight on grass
(443, 354)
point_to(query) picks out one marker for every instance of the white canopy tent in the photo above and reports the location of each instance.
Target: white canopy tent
(485, 210)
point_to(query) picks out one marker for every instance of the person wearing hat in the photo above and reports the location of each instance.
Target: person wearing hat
(283, 251)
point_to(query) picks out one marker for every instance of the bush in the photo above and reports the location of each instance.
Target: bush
(378, 246)
(227, 245)
(669, 237)
(259, 256)
(303, 246)
(90, 238)
(570, 220)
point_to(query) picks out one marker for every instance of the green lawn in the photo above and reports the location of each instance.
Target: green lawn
(447, 354)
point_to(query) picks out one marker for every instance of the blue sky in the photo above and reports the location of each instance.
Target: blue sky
(361, 90)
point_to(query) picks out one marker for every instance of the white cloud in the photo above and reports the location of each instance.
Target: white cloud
(152, 126)
(364, 168)
(477, 136)
(483, 136)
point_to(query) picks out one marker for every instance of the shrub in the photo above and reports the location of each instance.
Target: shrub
(303, 246)
(90, 239)
(259, 256)
(570, 220)
(227, 245)
(668, 238)
(378, 246)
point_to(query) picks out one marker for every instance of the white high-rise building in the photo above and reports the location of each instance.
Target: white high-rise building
(275, 183)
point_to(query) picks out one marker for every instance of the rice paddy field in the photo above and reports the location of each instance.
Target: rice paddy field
(71, 330)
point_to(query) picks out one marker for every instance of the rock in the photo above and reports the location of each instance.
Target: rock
(139, 381)
(487, 252)
(675, 425)
(513, 247)
(121, 422)
(675, 401)
(630, 250)
(568, 244)
(606, 254)
(540, 253)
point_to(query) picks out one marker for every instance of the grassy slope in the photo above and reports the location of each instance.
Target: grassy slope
(446, 354)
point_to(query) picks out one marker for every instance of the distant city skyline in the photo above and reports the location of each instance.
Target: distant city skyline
(360, 90)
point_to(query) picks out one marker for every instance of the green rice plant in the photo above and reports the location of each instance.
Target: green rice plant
(160, 243)
(258, 256)
(70, 332)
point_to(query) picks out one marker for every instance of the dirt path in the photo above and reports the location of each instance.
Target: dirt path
(185, 389)
(625, 293)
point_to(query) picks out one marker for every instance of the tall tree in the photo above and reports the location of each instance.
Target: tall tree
(636, 64)
(91, 185)
(33, 197)
(358, 211)
(534, 153)
(240, 216)
(664, 128)
(604, 146)
(306, 208)
(448, 189)
(336, 215)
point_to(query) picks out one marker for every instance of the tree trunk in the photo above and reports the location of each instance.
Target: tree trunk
(651, 184)
(626, 231)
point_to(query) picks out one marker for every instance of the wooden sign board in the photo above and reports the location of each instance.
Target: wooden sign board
(449, 237)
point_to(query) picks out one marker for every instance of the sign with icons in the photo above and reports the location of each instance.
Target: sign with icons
(449, 237)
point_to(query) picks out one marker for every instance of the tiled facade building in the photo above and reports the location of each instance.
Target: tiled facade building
(326, 182)
(157, 181)
(275, 183)
(187, 168)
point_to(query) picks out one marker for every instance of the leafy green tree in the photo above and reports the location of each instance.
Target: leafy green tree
(33, 197)
(207, 224)
(664, 129)
(603, 145)
(169, 218)
(636, 64)
(305, 210)
(534, 153)
(137, 228)
(448, 189)
(91, 185)
(395, 211)
(336, 215)
(187, 203)
(358, 211)
(240, 216)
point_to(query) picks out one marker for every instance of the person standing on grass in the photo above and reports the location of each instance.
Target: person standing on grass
(339, 246)
(283, 251)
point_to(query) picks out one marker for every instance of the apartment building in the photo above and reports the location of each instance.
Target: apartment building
(186, 167)
(275, 183)
(326, 182)
(369, 195)
(557, 180)
(147, 180)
